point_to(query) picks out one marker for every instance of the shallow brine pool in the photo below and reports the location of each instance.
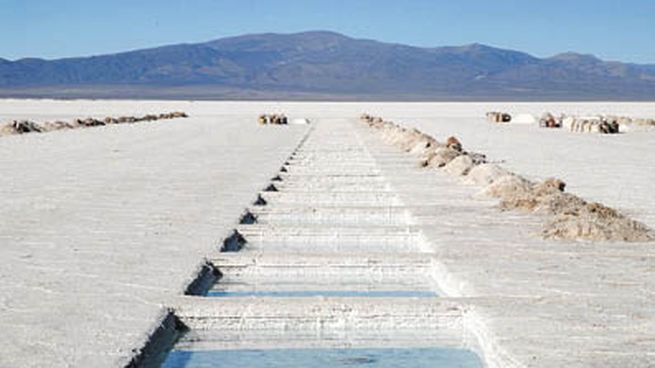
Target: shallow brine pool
(324, 293)
(318, 358)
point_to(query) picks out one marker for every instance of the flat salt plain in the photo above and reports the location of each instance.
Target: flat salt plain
(102, 227)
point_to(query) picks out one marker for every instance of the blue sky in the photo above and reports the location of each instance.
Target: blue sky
(610, 29)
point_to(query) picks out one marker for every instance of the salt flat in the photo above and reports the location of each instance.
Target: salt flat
(102, 227)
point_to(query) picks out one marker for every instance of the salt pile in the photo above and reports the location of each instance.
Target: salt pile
(567, 216)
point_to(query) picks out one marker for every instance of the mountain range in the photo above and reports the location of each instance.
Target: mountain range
(326, 65)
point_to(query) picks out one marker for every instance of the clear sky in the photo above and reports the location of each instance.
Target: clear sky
(610, 29)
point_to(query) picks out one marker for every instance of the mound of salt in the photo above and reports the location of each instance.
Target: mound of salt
(423, 144)
(440, 157)
(459, 166)
(546, 196)
(409, 139)
(596, 222)
(507, 186)
(57, 125)
(485, 174)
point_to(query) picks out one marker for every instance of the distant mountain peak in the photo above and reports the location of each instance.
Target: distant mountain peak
(574, 56)
(477, 46)
(322, 33)
(303, 34)
(482, 48)
(281, 41)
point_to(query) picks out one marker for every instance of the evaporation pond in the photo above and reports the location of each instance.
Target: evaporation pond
(324, 293)
(325, 358)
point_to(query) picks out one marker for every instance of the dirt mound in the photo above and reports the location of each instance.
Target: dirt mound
(549, 120)
(25, 126)
(57, 125)
(272, 119)
(596, 222)
(454, 143)
(546, 203)
(568, 216)
(573, 218)
(498, 117)
(21, 127)
(547, 197)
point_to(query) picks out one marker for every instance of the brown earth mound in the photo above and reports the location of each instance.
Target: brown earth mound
(596, 222)
(24, 126)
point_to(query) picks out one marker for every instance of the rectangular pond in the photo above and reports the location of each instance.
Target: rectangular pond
(326, 358)
(350, 282)
(323, 293)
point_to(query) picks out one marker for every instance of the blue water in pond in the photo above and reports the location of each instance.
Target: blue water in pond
(325, 358)
(326, 293)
